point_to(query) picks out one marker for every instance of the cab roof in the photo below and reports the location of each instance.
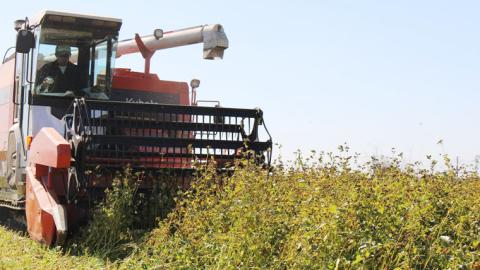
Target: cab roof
(51, 16)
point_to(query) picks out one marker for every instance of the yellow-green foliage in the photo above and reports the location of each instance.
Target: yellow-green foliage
(19, 252)
(119, 221)
(323, 212)
(325, 215)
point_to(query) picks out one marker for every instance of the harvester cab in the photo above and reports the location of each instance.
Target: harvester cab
(70, 111)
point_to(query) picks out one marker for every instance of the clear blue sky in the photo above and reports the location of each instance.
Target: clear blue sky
(374, 74)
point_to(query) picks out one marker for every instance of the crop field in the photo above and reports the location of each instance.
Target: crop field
(323, 211)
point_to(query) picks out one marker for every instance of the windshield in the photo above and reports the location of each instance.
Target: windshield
(74, 63)
(101, 62)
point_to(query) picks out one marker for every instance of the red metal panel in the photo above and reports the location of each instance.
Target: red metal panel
(137, 81)
(40, 224)
(41, 207)
(50, 149)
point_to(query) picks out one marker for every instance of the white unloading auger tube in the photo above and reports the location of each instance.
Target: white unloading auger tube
(212, 36)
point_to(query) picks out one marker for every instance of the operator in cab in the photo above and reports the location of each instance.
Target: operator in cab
(60, 75)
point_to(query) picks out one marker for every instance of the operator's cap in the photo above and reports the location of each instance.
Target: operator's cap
(63, 50)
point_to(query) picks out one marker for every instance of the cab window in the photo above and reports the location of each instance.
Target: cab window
(74, 63)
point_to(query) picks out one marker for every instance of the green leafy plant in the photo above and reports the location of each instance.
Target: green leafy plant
(325, 211)
(126, 213)
(321, 211)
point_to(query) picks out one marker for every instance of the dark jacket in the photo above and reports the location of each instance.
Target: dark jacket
(69, 80)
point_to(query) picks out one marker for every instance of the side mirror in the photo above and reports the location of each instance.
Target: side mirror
(25, 41)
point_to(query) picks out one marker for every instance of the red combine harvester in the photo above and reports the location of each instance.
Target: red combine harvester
(113, 117)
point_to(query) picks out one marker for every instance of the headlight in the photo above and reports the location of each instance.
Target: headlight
(158, 33)
(195, 83)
